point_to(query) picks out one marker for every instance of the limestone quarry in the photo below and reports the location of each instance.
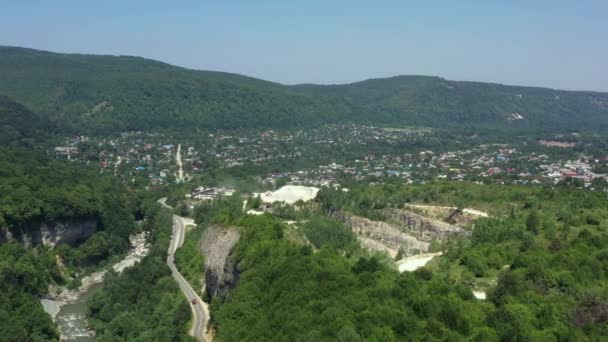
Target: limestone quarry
(289, 194)
(382, 236)
(404, 231)
(423, 227)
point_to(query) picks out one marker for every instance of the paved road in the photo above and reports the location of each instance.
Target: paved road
(200, 311)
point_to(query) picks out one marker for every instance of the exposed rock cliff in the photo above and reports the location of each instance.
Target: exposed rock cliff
(403, 230)
(382, 236)
(72, 231)
(462, 217)
(221, 270)
(425, 228)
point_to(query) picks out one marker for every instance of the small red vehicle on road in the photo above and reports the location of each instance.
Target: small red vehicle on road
(193, 301)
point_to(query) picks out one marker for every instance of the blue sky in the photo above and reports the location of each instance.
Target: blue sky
(560, 44)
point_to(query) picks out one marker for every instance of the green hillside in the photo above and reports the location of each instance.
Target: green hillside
(35, 189)
(433, 101)
(18, 125)
(118, 93)
(130, 93)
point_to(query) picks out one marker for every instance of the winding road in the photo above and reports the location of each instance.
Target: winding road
(200, 309)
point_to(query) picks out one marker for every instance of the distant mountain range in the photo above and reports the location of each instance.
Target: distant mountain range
(78, 93)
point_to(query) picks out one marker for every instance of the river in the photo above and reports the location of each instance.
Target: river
(68, 308)
(71, 319)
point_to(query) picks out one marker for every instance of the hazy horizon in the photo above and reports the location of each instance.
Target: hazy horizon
(552, 44)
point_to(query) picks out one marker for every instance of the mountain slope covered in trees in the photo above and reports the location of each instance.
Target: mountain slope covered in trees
(35, 189)
(128, 93)
(540, 257)
(112, 93)
(436, 102)
(18, 125)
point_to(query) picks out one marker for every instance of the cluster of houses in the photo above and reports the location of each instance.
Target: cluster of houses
(581, 170)
(262, 147)
(496, 163)
(128, 155)
(150, 155)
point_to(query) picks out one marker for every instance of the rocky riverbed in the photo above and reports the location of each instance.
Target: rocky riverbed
(68, 307)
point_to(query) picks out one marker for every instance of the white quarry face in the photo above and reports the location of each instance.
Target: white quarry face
(290, 194)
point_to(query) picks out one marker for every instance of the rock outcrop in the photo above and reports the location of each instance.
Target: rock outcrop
(378, 235)
(71, 231)
(403, 230)
(221, 269)
(461, 217)
(425, 228)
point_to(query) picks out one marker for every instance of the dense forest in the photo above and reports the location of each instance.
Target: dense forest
(130, 93)
(143, 303)
(543, 247)
(540, 256)
(116, 93)
(291, 292)
(18, 125)
(24, 276)
(36, 190)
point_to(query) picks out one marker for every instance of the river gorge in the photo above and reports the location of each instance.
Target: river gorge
(68, 307)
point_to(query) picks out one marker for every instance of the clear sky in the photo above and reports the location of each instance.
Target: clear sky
(554, 43)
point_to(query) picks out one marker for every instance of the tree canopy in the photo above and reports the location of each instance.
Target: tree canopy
(117, 93)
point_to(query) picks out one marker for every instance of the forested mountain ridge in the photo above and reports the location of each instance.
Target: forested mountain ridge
(115, 93)
(132, 93)
(437, 102)
(17, 124)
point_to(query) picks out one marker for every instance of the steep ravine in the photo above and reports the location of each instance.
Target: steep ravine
(68, 307)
